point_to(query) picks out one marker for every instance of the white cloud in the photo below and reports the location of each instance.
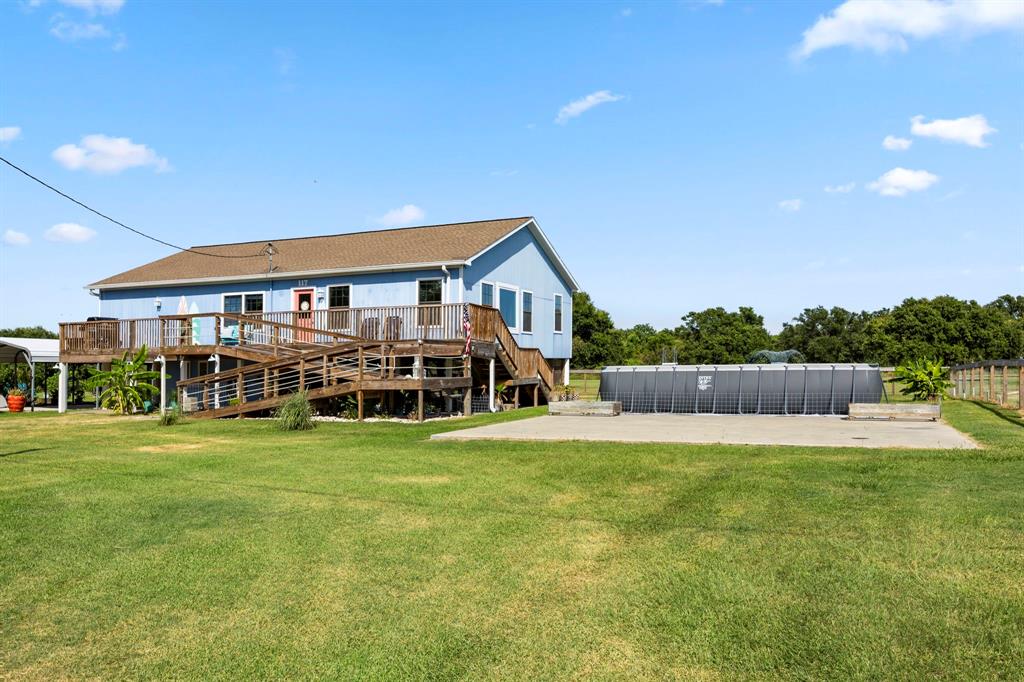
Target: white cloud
(969, 130)
(579, 106)
(73, 31)
(95, 6)
(896, 144)
(900, 181)
(9, 133)
(884, 25)
(841, 189)
(69, 232)
(15, 238)
(399, 217)
(791, 205)
(103, 154)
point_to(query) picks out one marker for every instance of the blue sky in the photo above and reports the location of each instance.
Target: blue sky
(687, 170)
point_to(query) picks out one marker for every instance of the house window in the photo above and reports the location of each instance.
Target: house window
(558, 313)
(338, 299)
(429, 294)
(487, 294)
(507, 300)
(243, 304)
(527, 312)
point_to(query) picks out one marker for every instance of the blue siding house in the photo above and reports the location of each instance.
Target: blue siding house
(408, 284)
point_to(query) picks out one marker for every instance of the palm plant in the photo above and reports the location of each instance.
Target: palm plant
(924, 379)
(125, 385)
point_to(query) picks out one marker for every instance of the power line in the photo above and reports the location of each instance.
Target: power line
(118, 222)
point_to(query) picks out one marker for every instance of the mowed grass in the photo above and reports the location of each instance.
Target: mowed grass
(232, 550)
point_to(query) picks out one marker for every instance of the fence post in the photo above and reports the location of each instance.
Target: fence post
(1004, 398)
(1020, 387)
(992, 383)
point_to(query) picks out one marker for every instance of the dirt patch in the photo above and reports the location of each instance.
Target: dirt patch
(180, 447)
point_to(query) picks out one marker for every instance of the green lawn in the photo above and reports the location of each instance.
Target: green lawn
(231, 550)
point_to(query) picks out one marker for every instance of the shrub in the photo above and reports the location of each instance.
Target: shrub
(172, 417)
(923, 379)
(296, 414)
(16, 392)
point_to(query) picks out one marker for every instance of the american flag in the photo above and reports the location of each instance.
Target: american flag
(467, 327)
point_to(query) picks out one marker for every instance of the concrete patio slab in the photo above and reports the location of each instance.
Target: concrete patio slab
(728, 429)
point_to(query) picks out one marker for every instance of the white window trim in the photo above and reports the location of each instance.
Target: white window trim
(327, 292)
(493, 291)
(498, 286)
(555, 326)
(533, 310)
(443, 287)
(429, 279)
(243, 294)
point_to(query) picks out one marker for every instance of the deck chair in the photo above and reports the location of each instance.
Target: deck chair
(370, 328)
(393, 328)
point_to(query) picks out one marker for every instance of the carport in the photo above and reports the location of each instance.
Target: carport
(31, 352)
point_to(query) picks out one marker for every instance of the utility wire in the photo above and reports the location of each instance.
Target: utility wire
(118, 222)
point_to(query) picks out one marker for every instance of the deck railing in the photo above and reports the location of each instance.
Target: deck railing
(279, 332)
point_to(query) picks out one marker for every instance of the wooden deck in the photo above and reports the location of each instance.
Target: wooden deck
(326, 352)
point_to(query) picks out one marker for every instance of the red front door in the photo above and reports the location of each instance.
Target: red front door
(302, 302)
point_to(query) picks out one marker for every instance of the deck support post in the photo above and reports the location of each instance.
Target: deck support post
(419, 405)
(490, 386)
(359, 401)
(467, 395)
(565, 372)
(163, 383)
(517, 398)
(215, 359)
(536, 395)
(62, 388)
(302, 374)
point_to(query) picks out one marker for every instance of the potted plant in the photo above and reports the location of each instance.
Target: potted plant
(16, 400)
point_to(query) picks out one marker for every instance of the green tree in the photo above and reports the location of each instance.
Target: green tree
(645, 345)
(827, 335)
(718, 336)
(125, 386)
(596, 342)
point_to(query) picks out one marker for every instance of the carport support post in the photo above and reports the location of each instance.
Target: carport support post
(32, 386)
(62, 388)
(490, 385)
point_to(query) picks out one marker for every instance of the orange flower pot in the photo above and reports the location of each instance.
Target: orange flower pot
(16, 403)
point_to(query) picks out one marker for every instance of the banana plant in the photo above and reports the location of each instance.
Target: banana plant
(126, 384)
(923, 378)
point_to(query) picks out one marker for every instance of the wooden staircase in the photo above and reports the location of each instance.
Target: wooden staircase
(356, 366)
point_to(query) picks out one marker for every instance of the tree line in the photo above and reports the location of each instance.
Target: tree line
(943, 328)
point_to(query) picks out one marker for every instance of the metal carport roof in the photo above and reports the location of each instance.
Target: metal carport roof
(37, 350)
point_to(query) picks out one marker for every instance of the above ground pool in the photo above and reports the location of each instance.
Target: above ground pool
(742, 389)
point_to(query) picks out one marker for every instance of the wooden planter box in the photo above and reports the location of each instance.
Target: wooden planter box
(585, 408)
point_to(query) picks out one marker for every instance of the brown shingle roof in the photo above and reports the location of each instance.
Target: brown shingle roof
(406, 246)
